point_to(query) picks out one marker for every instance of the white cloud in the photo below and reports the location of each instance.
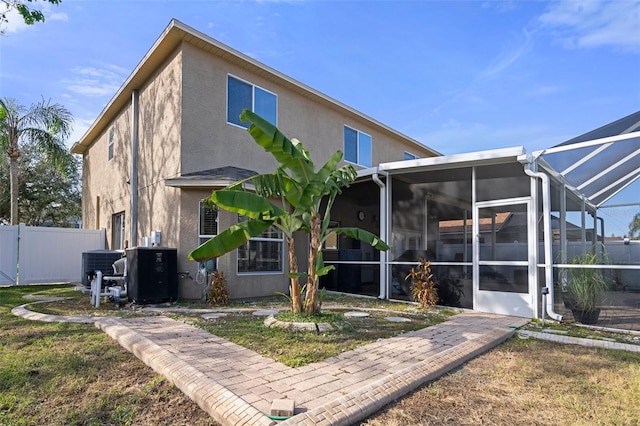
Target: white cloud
(58, 17)
(95, 82)
(15, 23)
(510, 54)
(80, 127)
(540, 91)
(500, 6)
(594, 23)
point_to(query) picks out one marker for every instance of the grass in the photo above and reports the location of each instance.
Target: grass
(528, 382)
(73, 374)
(575, 330)
(298, 348)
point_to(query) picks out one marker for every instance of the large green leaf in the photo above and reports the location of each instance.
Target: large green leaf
(362, 235)
(329, 167)
(247, 204)
(286, 153)
(229, 239)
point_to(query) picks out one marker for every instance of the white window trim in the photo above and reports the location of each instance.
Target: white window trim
(200, 221)
(272, 240)
(121, 231)
(253, 99)
(358, 133)
(111, 135)
(203, 236)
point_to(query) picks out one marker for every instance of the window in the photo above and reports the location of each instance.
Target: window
(117, 231)
(357, 147)
(207, 223)
(110, 144)
(207, 229)
(409, 156)
(261, 254)
(241, 95)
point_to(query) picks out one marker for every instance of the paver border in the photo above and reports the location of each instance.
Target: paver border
(229, 409)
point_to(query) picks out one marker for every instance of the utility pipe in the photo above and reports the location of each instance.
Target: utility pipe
(133, 229)
(548, 247)
(383, 235)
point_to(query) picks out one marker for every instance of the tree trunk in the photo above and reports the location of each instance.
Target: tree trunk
(294, 288)
(14, 185)
(311, 303)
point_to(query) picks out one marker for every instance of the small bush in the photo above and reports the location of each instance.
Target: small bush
(423, 287)
(218, 294)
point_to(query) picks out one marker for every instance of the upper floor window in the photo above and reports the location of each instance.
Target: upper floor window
(110, 144)
(357, 147)
(409, 156)
(241, 95)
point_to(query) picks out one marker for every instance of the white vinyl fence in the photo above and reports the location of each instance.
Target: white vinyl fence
(30, 254)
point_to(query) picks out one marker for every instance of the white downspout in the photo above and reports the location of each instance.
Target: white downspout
(383, 235)
(548, 247)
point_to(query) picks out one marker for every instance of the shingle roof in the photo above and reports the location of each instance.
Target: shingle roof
(218, 177)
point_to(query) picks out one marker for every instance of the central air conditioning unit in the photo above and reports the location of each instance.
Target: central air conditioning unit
(152, 274)
(98, 260)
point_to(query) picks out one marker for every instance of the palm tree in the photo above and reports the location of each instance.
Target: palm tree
(634, 227)
(44, 124)
(301, 191)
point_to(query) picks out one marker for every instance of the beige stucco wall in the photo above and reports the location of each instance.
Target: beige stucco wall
(209, 141)
(159, 152)
(183, 129)
(239, 285)
(104, 182)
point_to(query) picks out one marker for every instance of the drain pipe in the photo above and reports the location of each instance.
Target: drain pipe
(383, 235)
(133, 237)
(546, 213)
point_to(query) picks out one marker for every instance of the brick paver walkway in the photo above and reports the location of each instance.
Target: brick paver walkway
(237, 386)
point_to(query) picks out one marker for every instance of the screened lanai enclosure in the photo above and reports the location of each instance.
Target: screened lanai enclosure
(501, 228)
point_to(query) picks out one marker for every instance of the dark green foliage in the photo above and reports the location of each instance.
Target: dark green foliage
(48, 195)
(29, 16)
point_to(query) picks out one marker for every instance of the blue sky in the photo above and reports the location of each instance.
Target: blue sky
(458, 76)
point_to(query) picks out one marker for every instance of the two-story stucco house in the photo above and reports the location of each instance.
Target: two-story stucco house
(171, 135)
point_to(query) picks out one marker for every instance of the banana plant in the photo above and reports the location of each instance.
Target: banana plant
(301, 190)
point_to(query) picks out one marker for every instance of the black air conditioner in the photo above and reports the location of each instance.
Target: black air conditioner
(152, 274)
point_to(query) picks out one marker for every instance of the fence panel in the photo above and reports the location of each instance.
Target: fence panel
(55, 254)
(8, 254)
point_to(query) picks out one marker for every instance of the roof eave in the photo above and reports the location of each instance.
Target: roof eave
(455, 160)
(169, 39)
